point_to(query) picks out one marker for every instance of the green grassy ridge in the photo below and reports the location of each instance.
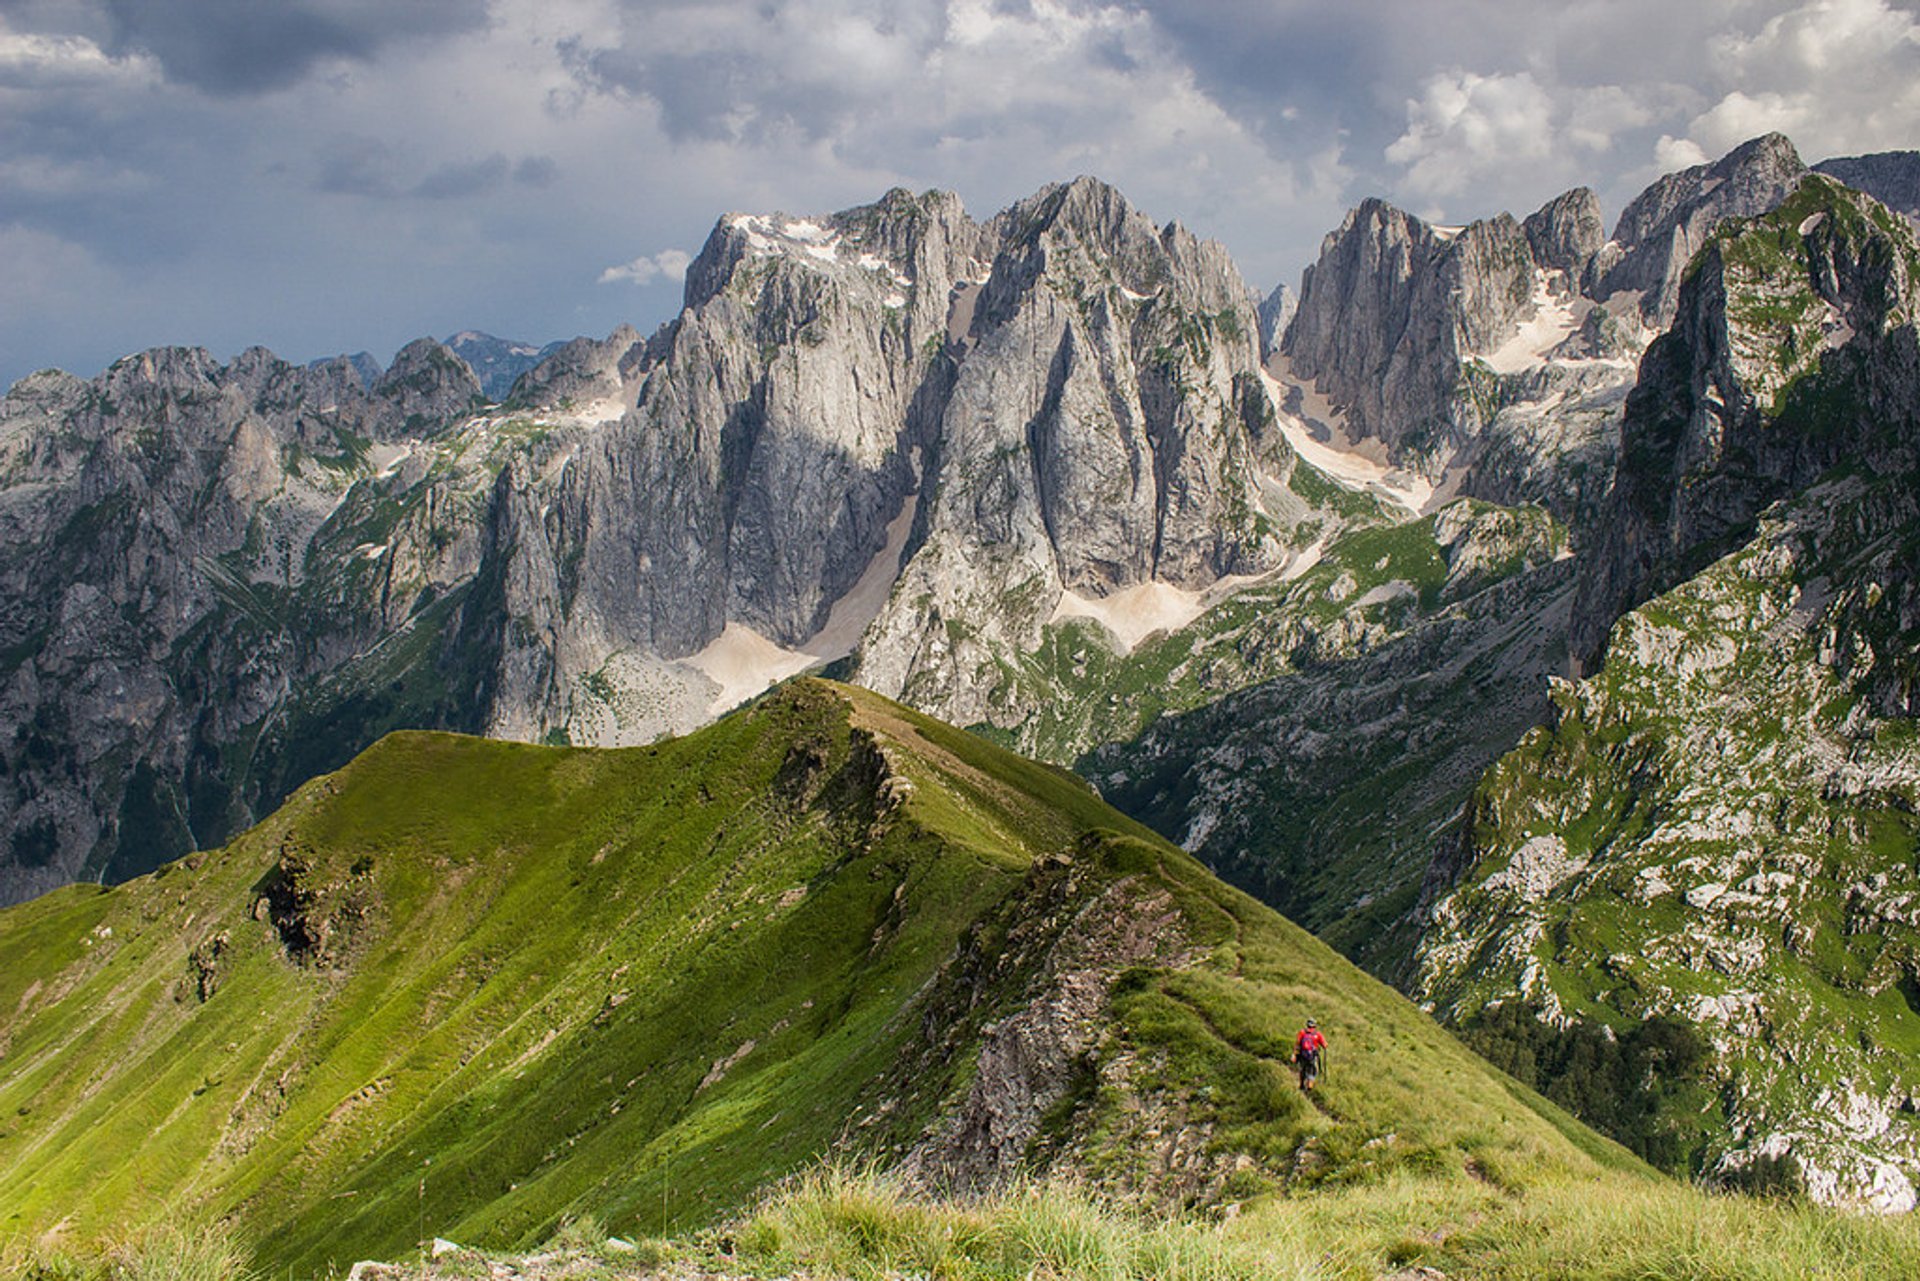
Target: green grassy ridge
(527, 982)
(859, 1226)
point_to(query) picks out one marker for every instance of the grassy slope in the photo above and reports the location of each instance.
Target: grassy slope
(528, 966)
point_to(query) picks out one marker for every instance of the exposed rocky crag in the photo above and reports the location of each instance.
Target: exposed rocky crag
(1792, 351)
(1276, 313)
(1494, 358)
(188, 546)
(1392, 311)
(894, 423)
(1891, 177)
(1718, 824)
(1664, 226)
(497, 362)
(894, 429)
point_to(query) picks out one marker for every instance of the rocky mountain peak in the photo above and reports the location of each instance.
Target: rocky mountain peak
(429, 386)
(1566, 232)
(1393, 308)
(1665, 225)
(1087, 231)
(1793, 347)
(1276, 313)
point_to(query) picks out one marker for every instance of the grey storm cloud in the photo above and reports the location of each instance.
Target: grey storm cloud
(249, 46)
(740, 70)
(363, 166)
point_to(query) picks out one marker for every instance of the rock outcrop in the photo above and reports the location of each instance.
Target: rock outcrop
(893, 423)
(1566, 233)
(1665, 225)
(1276, 313)
(1493, 358)
(185, 544)
(1891, 177)
(1391, 312)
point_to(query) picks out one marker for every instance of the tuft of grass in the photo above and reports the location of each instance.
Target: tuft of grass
(863, 1225)
(165, 1252)
(168, 1252)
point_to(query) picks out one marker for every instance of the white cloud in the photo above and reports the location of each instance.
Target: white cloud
(559, 135)
(1837, 76)
(37, 61)
(668, 264)
(1672, 154)
(1464, 124)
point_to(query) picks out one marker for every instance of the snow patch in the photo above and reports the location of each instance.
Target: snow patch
(1385, 592)
(386, 459)
(1343, 462)
(1305, 559)
(742, 662)
(855, 611)
(1134, 613)
(1554, 320)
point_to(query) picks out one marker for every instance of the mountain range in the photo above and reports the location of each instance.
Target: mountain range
(1525, 609)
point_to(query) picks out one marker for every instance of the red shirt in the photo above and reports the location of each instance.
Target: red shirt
(1309, 1041)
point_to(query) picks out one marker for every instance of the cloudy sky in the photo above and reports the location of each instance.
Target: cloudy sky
(334, 175)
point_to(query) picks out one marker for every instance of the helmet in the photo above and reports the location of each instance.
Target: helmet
(1310, 1023)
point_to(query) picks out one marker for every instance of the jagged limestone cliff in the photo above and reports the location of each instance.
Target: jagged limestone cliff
(1718, 824)
(191, 550)
(894, 423)
(1494, 358)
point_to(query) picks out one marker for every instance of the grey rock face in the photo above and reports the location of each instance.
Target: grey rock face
(426, 386)
(1566, 233)
(1145, 451)
(1065, 398)
(1669, 222)
(497, 362)
(1391, 312)
(1276, 313)
(184, 545)
(960, 420)
(1787, 355)
(1493, 359)
(1891, 177)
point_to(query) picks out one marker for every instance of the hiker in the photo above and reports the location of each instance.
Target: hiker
(1307, 1049)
